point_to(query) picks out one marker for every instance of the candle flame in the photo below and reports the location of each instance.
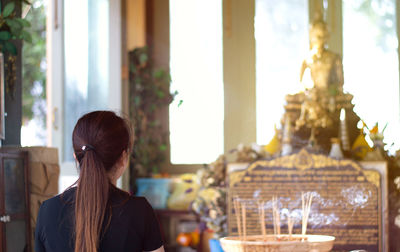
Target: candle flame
(342, 114)
(307, 81)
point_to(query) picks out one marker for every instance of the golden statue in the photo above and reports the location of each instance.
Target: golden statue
(313, 115)
(325, 66)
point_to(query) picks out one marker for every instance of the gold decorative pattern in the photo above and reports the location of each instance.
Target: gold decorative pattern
(303, 160)
(373, 177)
(235, 177)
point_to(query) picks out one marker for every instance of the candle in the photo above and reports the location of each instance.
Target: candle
(343, 131)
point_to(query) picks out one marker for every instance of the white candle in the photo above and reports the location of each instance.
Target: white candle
(343, 130)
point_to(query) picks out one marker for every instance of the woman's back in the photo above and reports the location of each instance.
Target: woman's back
(132, 226)
(95, 215)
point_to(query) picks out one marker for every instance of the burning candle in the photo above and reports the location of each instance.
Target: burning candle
(307, 81)
(343, 131)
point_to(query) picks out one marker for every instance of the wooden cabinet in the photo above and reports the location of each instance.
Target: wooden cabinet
(14, 202)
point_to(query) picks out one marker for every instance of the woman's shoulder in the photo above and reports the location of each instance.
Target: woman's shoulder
(61, 199)
(137, 202)
(123, 198)
(56, 209)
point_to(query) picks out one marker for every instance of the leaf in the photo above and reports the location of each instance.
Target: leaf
(23, 22)
(132, 68)
(10, 47)
(137, 100)
(11, 23)
(15, 27)
(8, 9)
(26, 36)
(143, 58)
(5, 35)
(160, 94)
(158, 74)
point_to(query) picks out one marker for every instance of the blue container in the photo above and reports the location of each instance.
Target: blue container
(215, 245)
(156, 191)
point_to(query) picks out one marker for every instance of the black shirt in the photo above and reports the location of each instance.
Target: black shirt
(133, 225)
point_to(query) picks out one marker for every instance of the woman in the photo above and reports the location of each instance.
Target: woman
(95, 215)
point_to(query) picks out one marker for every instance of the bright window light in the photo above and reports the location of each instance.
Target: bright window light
(370, 62)
(196, 125)
(281, 33)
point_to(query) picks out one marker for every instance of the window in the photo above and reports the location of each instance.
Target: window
(370, 62)
(196, 125)
(82, 40)
(33, 131)
(86, 63)
(281, 33)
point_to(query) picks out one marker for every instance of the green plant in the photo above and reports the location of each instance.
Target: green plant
(12, 28)
(34, 67)
(149, 97)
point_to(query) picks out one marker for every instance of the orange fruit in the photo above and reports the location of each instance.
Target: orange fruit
(184, 239)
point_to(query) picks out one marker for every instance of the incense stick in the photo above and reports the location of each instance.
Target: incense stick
(273, 214)
(261, 214)
(306, 207)
(264, 230)
(290, 226)
(276, 216)
(244, 221)
(303, 209)
(236, 205)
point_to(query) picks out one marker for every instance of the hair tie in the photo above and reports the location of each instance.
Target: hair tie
(87, 147)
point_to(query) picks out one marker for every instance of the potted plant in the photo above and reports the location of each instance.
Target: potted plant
(149, 98)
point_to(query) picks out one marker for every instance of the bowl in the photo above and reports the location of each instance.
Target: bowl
(278, 243)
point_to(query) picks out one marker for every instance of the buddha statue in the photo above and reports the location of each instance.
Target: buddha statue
(325, 66)
(314, 113)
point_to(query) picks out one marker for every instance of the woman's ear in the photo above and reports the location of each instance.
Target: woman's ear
(126, 158)
(123, 160)
(76, 160)
(120, 167)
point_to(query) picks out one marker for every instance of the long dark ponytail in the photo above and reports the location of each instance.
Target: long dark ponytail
(99, 140)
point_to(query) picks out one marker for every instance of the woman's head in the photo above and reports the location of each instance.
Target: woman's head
(101, 142)
(104, 134)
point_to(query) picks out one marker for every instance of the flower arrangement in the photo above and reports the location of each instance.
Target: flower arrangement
(210, 203)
